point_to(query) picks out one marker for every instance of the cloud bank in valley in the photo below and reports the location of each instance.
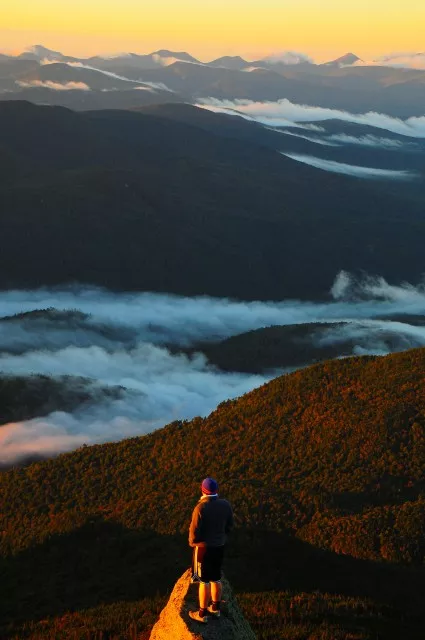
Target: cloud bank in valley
(341, 139)
(55, 86)
(133, 340)
(325, 142)
(160, 387)
(288, 58)
(110, 74)
(160, 86)
(369, 140)
(396, 60)
(284, 113)
(351, 170)
(373, 336)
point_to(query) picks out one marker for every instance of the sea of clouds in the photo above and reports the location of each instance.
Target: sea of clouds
(54, 86)
(299, 121)
(352, 170)
(139, 84)
(136, 341)
(403, 60)
(284, 113)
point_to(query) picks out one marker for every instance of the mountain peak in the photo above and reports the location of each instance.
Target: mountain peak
(344, 61)
(229, 62)
(179, 55)
(287, 58)
(41, 52)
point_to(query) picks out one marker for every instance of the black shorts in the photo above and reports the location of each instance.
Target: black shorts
(207, 563)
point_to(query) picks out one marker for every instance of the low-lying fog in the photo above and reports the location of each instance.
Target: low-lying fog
(135, 340)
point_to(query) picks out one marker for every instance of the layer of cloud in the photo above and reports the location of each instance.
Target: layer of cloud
(161, 319)
(225, 106)
(351, 170)
(411, 297)
(160, 86)
(396, 60)
(127, 338)
(325, 142)
(166, 61)
(161, 387)
(340, 139)
(142, 84)
(376, 337)
(251, 69)
(370, 140)
(110, 74)
(284, 113)
(55, 86)
(368, 337)
(288, 58)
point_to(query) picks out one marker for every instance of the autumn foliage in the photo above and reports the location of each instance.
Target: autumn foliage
(331, 457)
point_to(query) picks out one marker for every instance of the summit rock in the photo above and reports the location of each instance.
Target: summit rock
(174, 622)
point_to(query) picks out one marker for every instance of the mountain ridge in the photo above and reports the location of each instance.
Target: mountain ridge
(339, 84)
(288, 58)
(106, 171)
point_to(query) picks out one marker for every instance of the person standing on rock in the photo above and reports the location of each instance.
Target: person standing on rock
(212, 520)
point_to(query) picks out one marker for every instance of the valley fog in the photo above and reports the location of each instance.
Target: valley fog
(141, 342)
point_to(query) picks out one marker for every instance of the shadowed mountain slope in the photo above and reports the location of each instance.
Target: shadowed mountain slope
(292, 346)
(26, 397)
(276, 347)
(148, 202)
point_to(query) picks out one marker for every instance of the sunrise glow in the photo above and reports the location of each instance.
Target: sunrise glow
(253, 29)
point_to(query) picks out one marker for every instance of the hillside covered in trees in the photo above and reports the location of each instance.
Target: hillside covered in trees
(325, 468)
(177, 200)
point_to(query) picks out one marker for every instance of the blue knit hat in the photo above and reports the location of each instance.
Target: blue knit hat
(209, 486)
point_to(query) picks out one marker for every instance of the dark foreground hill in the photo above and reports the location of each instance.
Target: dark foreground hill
(275, 348)
(141, 201)
(26, 397)
(291, 346)
(325, 468)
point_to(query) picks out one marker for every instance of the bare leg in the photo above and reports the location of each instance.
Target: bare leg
(216, 591)
(204, 595)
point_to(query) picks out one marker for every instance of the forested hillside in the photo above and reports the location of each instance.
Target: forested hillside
(183, 204)
(325, 469)
(276, 347)
(26, 397)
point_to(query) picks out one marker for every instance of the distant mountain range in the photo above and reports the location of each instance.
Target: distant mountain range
(191, 201)
(164, 57)
(45, 76)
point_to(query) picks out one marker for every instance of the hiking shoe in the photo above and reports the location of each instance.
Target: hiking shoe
(195, 616)
(216, 614)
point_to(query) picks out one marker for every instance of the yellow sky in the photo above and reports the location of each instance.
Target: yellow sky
(209, 28)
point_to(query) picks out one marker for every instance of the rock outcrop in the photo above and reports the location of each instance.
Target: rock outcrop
(174, 622)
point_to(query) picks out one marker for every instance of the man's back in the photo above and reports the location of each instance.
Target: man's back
(212, 519)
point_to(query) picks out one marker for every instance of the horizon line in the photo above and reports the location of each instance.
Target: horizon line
(278, 56)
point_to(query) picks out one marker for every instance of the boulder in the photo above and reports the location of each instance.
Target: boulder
(174, 622)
